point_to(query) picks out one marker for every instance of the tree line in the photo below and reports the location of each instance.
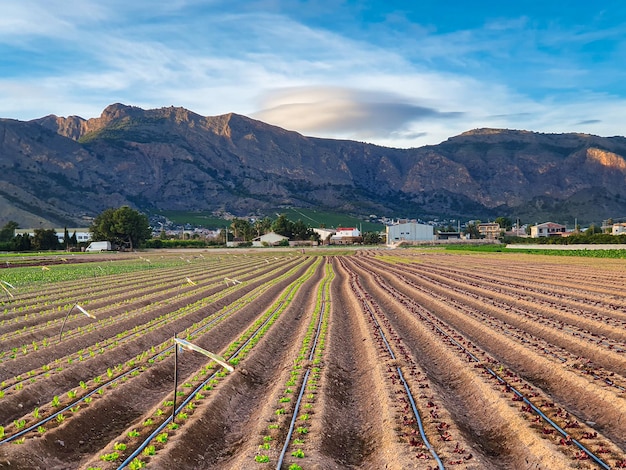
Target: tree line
(129, 229)
(42, 239)
(247, 231)
(124, 227)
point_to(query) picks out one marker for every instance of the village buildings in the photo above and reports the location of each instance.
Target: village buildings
(409, 232)
(82, 234)
(547, 229)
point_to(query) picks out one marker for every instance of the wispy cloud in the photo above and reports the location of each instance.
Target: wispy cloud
(335, 110)
(395, 81)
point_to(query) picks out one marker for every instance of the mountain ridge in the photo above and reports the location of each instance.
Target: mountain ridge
(174, 159)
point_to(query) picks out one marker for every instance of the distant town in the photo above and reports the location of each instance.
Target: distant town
(396, 232)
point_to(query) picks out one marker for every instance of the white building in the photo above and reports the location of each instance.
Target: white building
(269, 239)
(347, 232)
(619, 229)
(346, 236)
(547, 229)
(409, 232)
(490, 230)
(82, 234)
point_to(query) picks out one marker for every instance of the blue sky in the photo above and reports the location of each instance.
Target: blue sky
(395, 73)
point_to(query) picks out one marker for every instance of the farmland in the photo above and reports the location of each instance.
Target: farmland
(399, 359)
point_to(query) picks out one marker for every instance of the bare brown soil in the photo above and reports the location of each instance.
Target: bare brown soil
(470, 333)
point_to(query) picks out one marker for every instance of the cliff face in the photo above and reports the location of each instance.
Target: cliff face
(65, 169)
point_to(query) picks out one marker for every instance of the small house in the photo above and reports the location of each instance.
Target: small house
(269, 239)
(489, 231)
(619, 229)
(547, 229)
(346, 236)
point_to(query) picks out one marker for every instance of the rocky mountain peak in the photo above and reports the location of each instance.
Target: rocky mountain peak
(72, 127)
(173, 159)
(119, 110)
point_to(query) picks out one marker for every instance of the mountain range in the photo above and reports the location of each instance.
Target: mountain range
(59, 171)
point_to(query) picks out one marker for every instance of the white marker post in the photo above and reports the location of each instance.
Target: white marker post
(234, 281)
(184, 344)
(4, 285)
(82, 310)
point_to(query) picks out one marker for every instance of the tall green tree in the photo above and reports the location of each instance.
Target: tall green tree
(300, 230)
(262, 226)
(8, 231)
(21, 242)
(371, 238)
(242, 229)
(283, 226)
(124, 227)
(504, 222)
(66, 238)
(45, 239)
(472, 230)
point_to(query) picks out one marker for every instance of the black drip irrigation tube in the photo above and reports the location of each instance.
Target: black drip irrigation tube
(131, 335)
(81, 399)
(185, 402)
(418, 418)
(292, 424)
(555, 426)
(67, 407)
(408, 391)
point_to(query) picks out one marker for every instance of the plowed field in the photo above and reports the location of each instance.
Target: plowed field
(383, 359)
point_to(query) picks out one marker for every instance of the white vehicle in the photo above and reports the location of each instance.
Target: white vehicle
(99, 246)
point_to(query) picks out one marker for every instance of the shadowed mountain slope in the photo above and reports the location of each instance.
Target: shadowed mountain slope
(61, 170)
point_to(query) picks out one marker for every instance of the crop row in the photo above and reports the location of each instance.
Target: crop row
(144, 305)
(509, 357)
(144, 358)
(161, 428)
(288, 427)
(98, 294)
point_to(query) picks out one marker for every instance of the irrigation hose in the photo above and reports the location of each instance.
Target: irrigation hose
(292, 425)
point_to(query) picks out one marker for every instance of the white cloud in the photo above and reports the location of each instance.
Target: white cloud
(32, 19)
(344, 111)
(419, 89)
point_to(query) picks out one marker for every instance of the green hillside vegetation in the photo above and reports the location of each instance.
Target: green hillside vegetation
(197, 219)
(329, 219)
(617, 253)
(310, 217)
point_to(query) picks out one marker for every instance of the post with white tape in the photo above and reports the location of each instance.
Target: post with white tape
(184, 344)
(82, 310)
